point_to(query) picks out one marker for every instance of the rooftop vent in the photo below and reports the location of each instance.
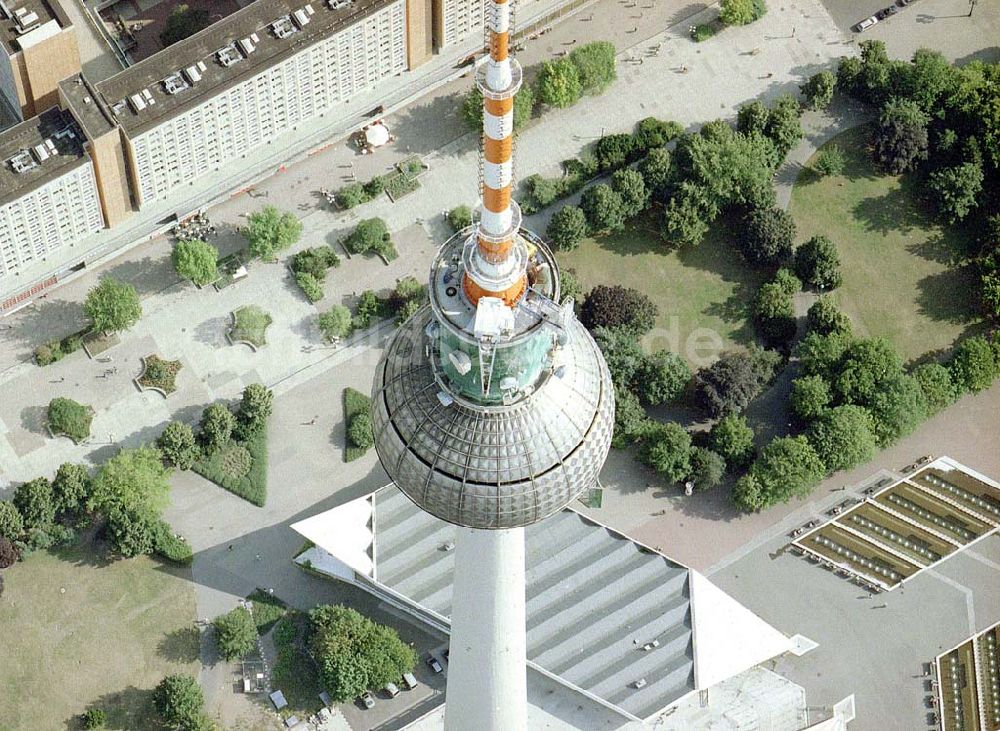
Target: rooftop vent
(175, 83)
(22, 162)
(25, 20)
(193, 73)
(228, 55)
(45, 150)
(137, 103)
(338, 4)
(283, 27)
(249, 44)
(302, 15)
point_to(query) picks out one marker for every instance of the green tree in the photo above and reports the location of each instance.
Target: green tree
(310, 286)
(133, 533)
(685, 220)
(235, 634)
(810, 397)
(359, 431)
(216, 427)
(783, 125)
(34, 501)
(974, 365)
(843, 437)
(179, 701)
(622, 353)
(595, 65)
(729, 384)
(269, 231)
(10, 554)
(868, 364)
(71, 488)
(66, 416)
(748, 494)
(955, 190)
(134, 480)
(604, 208)
(732, 438)
(112, 306)
(178, 445)
(667, 449)
(741, 12)
(459, 217)
(11, 522)
(183, 22)
(818, 264)
(927, 80)
(896, 408)
(774, 313)
(353, 653)
(335, 323)
(196, 260)
(818, 89)
(820, 354)
(630, 185)
(830, 160)
(824, 317)
(369, 308)
(569, 286)
(253, 411)
(900, 139)
(630, 418)
(661, 377)
(651, 133)
(558, 83)
(655, 171)
(567, 227)
(936, 384)
(94, 718)
(471, 109)
(707, 468)
(766, 236)
(615, 306)
(615, 151)
(371, 234)
(752, 117)
(787, 467)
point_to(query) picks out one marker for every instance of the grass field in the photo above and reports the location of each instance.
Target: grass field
(78, 634)
(702, 293)
(899, 279)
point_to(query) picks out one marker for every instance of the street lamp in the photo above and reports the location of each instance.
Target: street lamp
(972, 6)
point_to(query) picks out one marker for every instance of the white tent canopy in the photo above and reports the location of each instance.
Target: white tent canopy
(376, 134)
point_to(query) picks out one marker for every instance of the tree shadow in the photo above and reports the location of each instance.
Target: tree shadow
(127, 710)
(34, 419)
(212, 331)
(180, 646)
(44, 321)
(949, 296)
(427, 127)
(147, 275)
(938, 248)
(893, 211)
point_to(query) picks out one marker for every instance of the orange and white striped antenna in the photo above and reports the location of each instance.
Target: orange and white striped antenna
(496, 268)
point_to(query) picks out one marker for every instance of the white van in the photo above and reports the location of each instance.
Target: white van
(410, 681)
(391, 689)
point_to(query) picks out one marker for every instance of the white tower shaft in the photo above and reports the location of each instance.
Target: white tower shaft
(487, 671)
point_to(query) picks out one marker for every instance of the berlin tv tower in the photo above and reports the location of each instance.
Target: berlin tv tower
(493, 409)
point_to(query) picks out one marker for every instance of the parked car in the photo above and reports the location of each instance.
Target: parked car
(886, 12)
(368, 699)
(391, 689)
(433, 664)
(409, 681)
(865, 24)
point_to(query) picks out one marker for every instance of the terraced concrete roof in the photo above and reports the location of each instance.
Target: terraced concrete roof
(591, 595)
(594, 598)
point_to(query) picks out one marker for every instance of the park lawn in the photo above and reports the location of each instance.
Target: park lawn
(107, 641)
(899, 281)
(703, 292)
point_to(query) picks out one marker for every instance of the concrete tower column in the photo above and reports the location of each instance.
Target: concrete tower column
(487, 671)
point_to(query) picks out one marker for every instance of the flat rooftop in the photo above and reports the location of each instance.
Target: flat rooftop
(83, 102)
(36, 14)
(60, 149)
(146, 78)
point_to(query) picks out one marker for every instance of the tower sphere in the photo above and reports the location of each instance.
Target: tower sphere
(494, 433)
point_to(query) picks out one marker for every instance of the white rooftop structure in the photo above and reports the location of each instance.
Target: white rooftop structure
(376, 134)
(603, 611)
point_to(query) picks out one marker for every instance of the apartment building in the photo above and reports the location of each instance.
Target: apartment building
(37, 50)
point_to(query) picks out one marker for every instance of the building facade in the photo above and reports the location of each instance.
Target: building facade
(248, 115)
